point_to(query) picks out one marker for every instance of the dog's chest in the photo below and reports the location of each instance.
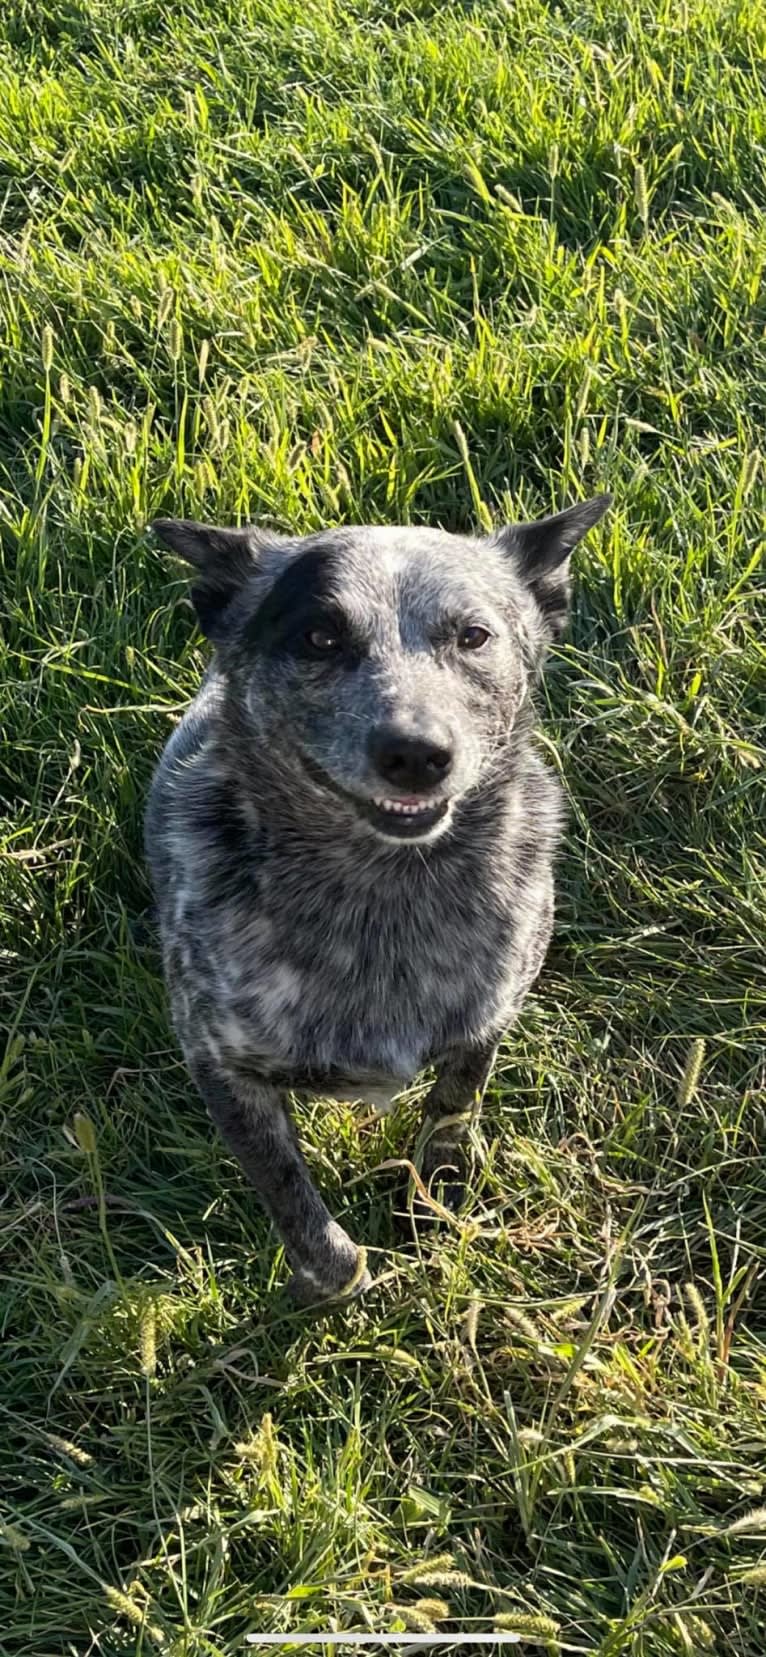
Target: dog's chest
(356, 985)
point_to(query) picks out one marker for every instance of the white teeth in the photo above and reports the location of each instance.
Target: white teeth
(402, 808)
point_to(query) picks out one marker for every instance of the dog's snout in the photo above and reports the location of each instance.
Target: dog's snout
(411, 762)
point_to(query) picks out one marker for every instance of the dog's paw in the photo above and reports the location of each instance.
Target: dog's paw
(342, 1281)
(444, 1172)
(443, 1168)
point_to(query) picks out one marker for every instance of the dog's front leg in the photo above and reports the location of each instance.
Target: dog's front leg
(449, 1108)
(253, 1120)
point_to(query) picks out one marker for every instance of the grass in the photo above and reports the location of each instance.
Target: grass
(438, 263)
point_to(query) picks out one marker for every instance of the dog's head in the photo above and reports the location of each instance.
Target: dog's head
(383, 667)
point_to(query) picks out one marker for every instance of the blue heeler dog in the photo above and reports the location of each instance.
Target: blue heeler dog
(351, 834)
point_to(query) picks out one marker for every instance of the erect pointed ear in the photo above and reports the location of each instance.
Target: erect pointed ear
(223, 558)
(541, 551)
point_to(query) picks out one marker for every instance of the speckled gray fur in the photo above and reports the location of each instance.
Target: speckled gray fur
(306, 945)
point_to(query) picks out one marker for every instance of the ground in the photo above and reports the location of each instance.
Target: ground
(443, 263)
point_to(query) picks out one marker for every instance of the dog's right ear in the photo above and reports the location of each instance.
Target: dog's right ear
(541, 551)
(223, 558)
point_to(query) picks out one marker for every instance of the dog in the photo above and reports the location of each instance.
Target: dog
(351, 834)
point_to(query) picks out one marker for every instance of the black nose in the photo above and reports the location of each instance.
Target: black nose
(411, 764)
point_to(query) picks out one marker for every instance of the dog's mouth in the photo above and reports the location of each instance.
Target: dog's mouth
(408, 817)
(404, 819)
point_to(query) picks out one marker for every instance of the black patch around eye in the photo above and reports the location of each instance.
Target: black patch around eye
(301, 601)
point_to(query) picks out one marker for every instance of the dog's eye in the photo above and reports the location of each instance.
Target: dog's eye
(322, 641)
(472, 638)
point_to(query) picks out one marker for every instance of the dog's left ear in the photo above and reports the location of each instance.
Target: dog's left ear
(541, 550)
(224, 560)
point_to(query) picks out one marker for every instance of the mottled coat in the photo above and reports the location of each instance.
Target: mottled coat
(351, 833)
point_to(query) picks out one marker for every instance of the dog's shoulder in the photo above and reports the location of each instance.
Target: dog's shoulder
(200, 832)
